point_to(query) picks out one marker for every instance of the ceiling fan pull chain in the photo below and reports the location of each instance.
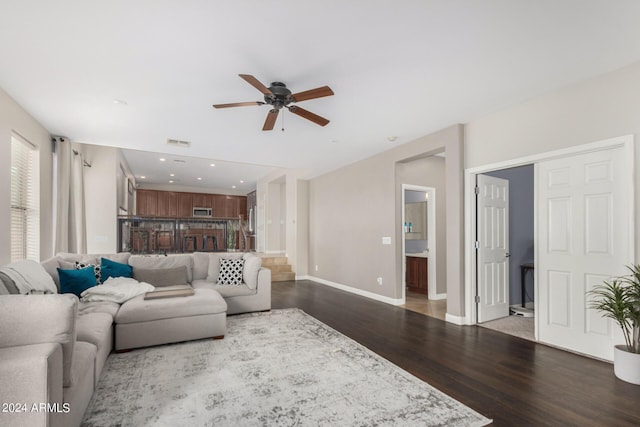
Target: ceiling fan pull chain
(283, 122)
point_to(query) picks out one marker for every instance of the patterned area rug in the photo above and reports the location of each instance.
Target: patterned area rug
(280, 368)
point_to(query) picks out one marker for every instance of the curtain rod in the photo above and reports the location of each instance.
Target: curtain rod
(84, 162)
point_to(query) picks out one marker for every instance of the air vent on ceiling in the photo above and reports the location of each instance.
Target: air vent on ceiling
(179, 143)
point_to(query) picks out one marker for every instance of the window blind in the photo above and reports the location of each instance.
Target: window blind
(25, 201)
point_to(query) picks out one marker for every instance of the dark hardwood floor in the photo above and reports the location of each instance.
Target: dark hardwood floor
(513, 381)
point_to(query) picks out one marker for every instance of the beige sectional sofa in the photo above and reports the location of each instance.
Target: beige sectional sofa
(53, 347)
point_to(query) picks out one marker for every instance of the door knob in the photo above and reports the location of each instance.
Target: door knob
(507, 255)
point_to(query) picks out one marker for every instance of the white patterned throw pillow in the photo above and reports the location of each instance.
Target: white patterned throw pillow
(231, 271)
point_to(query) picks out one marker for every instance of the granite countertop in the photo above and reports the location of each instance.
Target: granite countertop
(424, 254)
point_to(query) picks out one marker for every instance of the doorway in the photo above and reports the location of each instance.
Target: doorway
(584, 228)
(420, 253)
(513, 254)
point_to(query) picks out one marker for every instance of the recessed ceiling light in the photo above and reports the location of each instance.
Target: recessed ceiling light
(170, 181)
(120, 102)
(212, 165)
(143, 177)
(233, 186)
(172, 174)
(199, 178)
(392, 138)
(162, 159)
(241, 181)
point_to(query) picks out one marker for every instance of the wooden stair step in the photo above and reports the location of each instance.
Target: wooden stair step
(279, 268)
(274, 260)
(283, 276)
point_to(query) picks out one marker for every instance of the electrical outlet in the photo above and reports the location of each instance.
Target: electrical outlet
(380, 281)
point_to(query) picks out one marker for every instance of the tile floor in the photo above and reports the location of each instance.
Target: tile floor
(421, 304)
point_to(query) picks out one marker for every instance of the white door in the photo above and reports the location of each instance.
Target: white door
(584, 228)
(493, 247)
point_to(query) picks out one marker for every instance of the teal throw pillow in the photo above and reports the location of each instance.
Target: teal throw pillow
(114, 269)
(76, 281)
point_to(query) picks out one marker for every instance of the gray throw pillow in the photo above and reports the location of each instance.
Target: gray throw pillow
(160, 277)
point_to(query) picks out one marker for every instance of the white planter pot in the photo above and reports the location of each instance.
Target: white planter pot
(626, 365)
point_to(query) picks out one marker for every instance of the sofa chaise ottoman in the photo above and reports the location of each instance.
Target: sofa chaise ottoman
(143, 323)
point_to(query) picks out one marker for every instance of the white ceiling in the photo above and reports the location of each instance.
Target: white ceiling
(402, 68)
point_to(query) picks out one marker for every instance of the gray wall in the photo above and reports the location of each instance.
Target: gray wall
(352, 208)
(521, 237)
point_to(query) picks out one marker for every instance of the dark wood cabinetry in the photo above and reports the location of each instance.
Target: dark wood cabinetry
(147, 202)
(202, 200)
(167, 204)
(417, 276)
(185, 205)
(170, 204)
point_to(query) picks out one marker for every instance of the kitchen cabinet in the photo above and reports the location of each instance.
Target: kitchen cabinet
(202, 200)
(185, 205)
(146, 203)
(417, 277)
(167, 206)
(174, 204)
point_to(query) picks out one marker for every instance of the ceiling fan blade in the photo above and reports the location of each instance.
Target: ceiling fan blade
(255, 83)
(238, 104)
(271, 119)
(308, 115)
(318, 92)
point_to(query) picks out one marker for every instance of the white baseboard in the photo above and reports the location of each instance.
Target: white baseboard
(438, 296)
(456, 320)
(367, 294)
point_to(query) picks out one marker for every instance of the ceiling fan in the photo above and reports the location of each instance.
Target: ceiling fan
(278, 95)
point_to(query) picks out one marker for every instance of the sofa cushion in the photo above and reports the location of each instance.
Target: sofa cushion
(162, 261)
(7, 285)
(84, 356)
(36, 319)
(76, 281)
(29, 277)
(51, 266)
(200, 265)
(252, 265)
(160, 277)
(112, 268)
(231, 272)
(121, 257)
(214, 264)
(225, 291)
(110, 308)
(70, 257)
(94, 328)
(205, 301)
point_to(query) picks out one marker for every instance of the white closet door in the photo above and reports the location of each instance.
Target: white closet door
(584, 227)
(493, 248)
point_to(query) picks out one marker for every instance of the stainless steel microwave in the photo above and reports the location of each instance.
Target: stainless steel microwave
(202, 212)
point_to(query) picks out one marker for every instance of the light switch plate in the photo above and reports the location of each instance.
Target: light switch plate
(386, 240)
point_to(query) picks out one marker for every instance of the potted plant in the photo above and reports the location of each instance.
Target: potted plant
(619, 299)
(231, 236)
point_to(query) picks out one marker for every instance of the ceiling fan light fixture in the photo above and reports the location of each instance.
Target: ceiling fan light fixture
(279, 96)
